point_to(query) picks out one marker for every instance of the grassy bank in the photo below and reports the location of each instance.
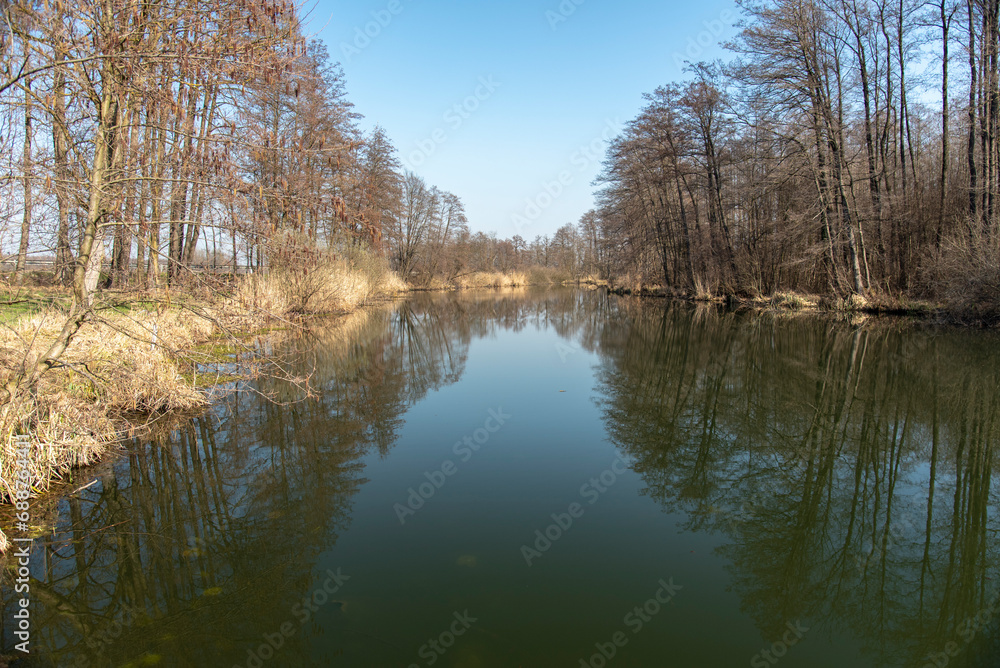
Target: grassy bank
(135, 362)
(486, 280)
(534, 276)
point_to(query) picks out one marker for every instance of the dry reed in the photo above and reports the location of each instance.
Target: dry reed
(124, 365)
(118, 366)
(336, 286)
(482, 279)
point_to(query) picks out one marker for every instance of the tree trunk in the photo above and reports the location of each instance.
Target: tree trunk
(943, 198)
(971, 146)
(60, 155)
(22, 250)
(91, 254)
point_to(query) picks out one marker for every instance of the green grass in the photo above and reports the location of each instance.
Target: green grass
(209, 379)
(218, 351)
(17, 303)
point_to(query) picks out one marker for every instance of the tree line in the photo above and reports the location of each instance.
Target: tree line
(848, 147)
(143, 137)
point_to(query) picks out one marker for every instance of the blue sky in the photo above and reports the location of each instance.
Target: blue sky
(507, 104)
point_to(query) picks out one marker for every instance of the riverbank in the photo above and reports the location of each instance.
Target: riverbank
(480, 280)
(141, 358)
(806, 303)
(486, 280)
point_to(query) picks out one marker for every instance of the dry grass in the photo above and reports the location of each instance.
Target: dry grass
(257, 299)
(896, 303)
(850, 304)
(382, 280)
(4, 545)
(702, 291)
(435, 283)
(391, 285)
(127, 364)
(324, 287)
(118, 366)
(482, 279)
(789, 300)
(593, 280)
(547, 276)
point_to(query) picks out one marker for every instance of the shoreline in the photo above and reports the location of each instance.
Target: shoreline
(130, 374)
(794, 302)
(218, 348)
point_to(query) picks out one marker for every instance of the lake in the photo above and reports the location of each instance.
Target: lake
(551, 478)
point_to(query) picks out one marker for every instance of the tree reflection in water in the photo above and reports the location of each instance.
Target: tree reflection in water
(848, 467)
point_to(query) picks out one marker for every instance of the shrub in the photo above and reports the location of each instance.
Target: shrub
(303, 279)
(968, 279)
(788, 300)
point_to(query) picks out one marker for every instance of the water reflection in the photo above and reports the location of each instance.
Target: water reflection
(847, 468)
(186, 534)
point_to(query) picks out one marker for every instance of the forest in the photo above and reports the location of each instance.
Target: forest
(844, 148)
(145, 141)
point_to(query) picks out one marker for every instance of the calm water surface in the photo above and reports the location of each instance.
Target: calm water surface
(552, 479)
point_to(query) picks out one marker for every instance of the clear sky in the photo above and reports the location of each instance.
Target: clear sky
(497, 101)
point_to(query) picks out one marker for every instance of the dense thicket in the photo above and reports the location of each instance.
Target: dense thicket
(849, 147)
